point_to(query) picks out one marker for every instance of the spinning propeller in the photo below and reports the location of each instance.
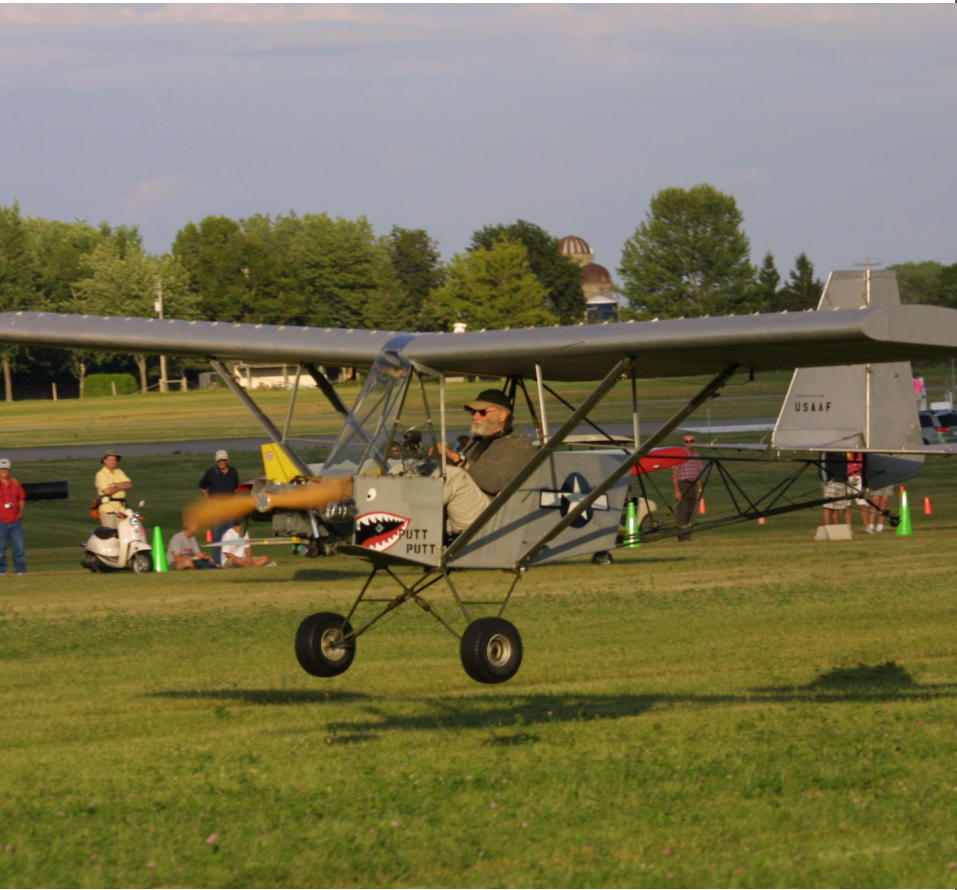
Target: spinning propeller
(208, 512)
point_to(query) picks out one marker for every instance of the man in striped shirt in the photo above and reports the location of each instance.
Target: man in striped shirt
(687, 481)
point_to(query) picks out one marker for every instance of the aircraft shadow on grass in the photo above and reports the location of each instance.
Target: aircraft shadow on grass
(513, 719)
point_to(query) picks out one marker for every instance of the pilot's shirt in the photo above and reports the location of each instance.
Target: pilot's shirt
(494, 461)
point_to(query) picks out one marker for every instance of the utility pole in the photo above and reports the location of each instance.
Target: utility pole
(158, 306)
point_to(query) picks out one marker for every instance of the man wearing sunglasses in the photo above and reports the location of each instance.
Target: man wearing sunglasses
(493, 455)
(687, 481)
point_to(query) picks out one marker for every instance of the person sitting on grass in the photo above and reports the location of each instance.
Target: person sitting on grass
(237, 550)
(184, 552)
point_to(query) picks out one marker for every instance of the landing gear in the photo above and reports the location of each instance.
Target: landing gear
(491, 650)
(320, 645)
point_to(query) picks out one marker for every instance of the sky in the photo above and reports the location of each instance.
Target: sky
(832, 127)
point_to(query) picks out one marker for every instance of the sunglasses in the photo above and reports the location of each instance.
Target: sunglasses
(689, 441)
(480, 411)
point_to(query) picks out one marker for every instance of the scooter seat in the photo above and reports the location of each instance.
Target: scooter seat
(105, 533)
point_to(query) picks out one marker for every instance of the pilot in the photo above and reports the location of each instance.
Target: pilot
(492, 457)
(111, 485)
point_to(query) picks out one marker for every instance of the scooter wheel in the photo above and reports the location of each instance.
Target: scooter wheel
(141, 562)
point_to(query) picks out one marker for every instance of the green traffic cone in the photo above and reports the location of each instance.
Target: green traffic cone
(631, 524)
(904, 526)
(159, 551)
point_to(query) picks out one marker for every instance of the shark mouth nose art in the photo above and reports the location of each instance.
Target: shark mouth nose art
(380, 530)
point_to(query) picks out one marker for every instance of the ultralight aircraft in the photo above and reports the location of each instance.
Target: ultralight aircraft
(381, 501)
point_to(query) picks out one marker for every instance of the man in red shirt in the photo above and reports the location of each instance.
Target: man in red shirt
(12, 497)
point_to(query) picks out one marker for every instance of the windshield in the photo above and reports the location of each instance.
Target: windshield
(363, 445)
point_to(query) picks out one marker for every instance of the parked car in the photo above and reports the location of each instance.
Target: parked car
(938, 427)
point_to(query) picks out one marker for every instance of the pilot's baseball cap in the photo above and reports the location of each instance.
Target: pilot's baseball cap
(222, 455)
(489, 398)
(4, 463)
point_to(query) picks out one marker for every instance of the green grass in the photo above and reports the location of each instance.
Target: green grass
(753, 709)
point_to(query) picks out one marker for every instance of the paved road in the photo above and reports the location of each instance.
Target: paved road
(201, 446)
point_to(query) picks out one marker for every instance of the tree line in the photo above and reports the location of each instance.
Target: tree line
(689, 256)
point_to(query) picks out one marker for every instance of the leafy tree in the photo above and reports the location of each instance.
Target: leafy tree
(766, 287)
(18, 281)
(559, 275)
(919, 282)
(490, 288)
(343, 274)
(122, 279)
(946, 287)
(415, 259)
(689, 257)
(802, 290)
(213, 255)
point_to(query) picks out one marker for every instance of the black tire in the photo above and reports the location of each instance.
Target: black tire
(141, 562)
(319, 645)
(602, 558)
(649, 525)
(90, 562)
(491, 650)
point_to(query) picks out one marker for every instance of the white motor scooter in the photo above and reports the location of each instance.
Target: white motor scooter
(119, 549)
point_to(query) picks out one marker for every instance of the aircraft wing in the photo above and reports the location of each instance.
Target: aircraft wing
(671, 347)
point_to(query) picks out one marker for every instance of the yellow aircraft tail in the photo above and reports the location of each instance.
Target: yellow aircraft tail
(276, 463)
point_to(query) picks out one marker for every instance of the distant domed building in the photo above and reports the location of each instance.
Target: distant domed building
(599, 292)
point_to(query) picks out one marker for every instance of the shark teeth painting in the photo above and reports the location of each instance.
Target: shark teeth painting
(379, 531)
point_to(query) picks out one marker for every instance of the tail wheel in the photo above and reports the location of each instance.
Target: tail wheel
(320, 645)
(142, 562)
(491, 650)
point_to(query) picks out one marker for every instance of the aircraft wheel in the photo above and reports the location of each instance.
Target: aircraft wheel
(602, 558)
(319, 645)
(491, 650)
(142, 562)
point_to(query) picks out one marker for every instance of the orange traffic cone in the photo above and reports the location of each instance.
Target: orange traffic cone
(209, 536)
(762, 520)
(928, 509)
(701, 507)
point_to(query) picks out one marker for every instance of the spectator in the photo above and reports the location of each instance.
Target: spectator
(184, 552)
(220, 480)
(835, 490)
(12, 497)
(688, 486)
(237, 550)
(111, 485)
(920, 392)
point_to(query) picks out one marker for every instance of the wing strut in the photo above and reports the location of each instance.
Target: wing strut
(256, 411)
(707, 392)
(325, 385)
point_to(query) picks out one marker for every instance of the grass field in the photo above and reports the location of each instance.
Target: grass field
(753, 709)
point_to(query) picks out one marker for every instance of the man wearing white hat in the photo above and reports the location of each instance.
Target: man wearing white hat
(220, 480)
(12, 497)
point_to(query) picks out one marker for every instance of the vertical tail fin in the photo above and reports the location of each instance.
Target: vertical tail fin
(854, 407)
(851, 406)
